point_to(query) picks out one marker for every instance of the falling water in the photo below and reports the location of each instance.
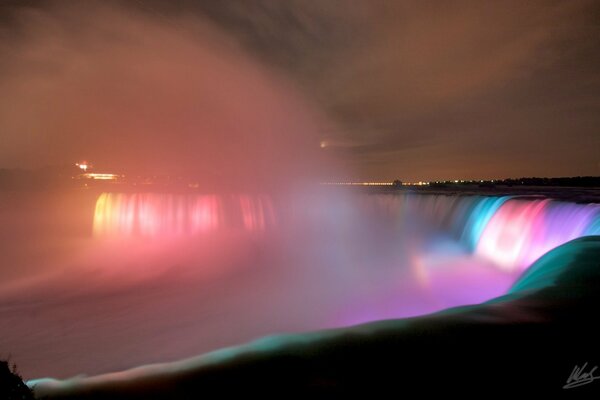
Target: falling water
(204, 271)
(160, 215)
(521, 231)
(513, 233)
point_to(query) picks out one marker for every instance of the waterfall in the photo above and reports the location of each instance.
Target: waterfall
(512, 232)
(521, 231)
(159, 215)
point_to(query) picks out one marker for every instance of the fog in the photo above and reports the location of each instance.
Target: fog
(139, 94)
(93, 282)
(77, 300)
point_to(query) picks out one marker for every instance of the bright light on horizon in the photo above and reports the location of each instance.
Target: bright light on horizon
(102, 177)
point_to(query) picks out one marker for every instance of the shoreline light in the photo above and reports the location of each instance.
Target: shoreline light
(357, 183)
(103, 177)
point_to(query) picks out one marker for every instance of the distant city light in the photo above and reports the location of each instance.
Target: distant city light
(103, 177)
(420, 183)
(358, 183)
(83, 166)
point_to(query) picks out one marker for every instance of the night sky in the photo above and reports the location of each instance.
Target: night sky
(360, 90)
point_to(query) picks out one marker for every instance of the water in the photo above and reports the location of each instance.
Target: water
(159, 277)
(164, 215)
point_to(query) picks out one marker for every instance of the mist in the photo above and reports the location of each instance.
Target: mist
(99, 278)
(138, 94)
(108, 296)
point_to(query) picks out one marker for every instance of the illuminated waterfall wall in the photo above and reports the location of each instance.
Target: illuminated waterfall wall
(160, 215)
(521, 231)
(511, 232)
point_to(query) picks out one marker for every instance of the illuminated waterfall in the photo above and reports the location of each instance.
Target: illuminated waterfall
(159, 215)
(521, 231)
(251, 265)
(512, 232)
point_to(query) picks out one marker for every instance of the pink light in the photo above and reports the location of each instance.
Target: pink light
(156, 215)
(521, 231)
(257, 212)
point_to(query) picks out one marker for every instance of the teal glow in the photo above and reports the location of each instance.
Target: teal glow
(582, 253)
(478, 219)
(594, 226)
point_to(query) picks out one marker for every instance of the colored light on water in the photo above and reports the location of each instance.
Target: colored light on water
(521, 231)
(328, 262)
(479, 217)
(512, 233)
(257, 212)
(155, 215)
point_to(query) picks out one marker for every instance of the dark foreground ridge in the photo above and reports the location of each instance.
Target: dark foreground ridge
(540, 337)
(12, 386)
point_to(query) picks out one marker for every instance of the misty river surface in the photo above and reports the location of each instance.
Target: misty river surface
(114, 281)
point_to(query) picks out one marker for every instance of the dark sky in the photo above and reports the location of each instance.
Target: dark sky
(416, 90)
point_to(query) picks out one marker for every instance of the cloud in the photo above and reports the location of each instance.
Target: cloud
(433, 79)
(421, 79)
(137, 92)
